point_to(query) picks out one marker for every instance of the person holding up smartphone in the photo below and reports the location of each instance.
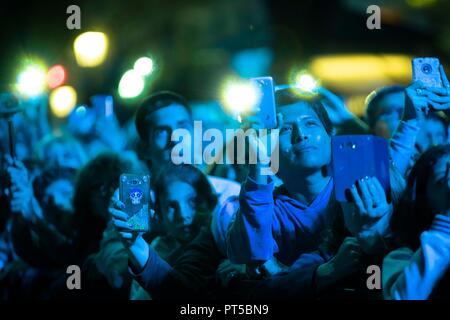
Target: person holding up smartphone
(183, 259)
(287, 221)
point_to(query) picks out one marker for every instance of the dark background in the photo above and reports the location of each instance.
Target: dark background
(193, 41)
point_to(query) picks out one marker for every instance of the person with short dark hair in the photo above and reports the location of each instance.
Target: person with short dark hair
(283, 223)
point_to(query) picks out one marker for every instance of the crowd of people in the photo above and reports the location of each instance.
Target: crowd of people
(227, 231)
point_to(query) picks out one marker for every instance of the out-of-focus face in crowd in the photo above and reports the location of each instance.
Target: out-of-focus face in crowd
(389, 113)
(60, 151)
(432, 132)
(63, 155)
(59, 194)
(54, 189)
(438, 186)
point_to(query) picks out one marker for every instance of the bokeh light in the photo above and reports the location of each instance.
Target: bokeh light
(131, 85)
(90, 49)
(32, 81)
(306, 82)
(358, 73)
(240, 96)
(63, 101)
(56, 76)
(144, 66)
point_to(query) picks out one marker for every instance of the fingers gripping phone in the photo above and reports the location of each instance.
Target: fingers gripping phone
(265, 109)
(426, 70)
(134, 192)
(355, 157)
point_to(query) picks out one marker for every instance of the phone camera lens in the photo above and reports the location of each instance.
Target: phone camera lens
(426, 68)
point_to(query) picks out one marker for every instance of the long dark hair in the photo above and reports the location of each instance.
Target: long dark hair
(101, 174)
(415, 215)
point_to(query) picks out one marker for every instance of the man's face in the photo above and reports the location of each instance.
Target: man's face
(162, 123)
(390, 113)
(438, 187)
(304, 142)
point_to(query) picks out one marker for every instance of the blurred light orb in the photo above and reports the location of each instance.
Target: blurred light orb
(62, 101)
(32, 81)
(421, 3)
(143, 66)
(90, 49)
(131, 84)
(56, 76)
(305, 82)
(240, 96)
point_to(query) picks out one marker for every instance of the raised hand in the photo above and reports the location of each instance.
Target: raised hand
(134, 242)
(416, 103)
(21, 190)
(347, 260)
(439, 98)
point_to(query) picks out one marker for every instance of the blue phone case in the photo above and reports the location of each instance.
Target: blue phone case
(355, 157)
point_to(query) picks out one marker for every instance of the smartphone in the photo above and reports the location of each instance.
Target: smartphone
(266, 105)
(427, 71)
(355, 157)
(134, 192)
(102, 105)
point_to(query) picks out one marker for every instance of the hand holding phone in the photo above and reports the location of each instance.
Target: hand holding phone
(427, 70)
(355, 157)
(263, 112)
(431, 83)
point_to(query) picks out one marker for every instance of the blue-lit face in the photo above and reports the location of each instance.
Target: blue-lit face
(432, 132)
(304, 142)
(390, 113)
(438, 188)
(178, 207)
(59, 194)
(64, 155)
(163, 122)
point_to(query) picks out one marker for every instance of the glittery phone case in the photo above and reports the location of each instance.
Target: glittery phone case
(134, 192)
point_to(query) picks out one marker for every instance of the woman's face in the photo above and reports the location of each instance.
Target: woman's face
(64, 155)
(59, 194)
(438, 187)
(57, 202)
(178, 206)
(304, 142)
(432, 132)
